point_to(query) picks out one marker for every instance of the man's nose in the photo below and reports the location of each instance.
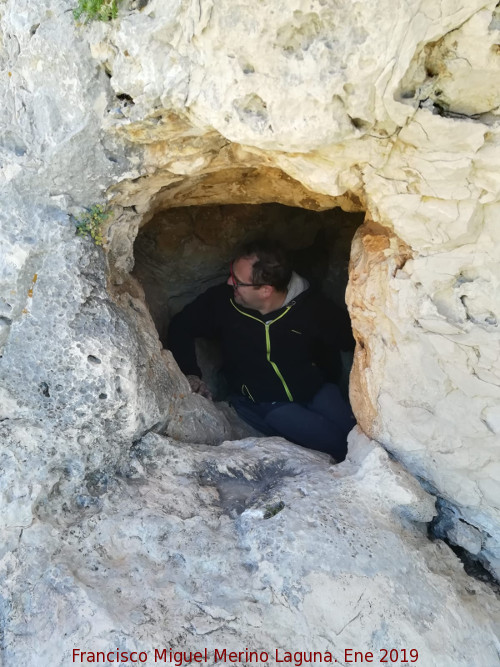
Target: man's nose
(229, 281)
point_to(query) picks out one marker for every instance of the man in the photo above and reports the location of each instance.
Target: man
(280, 346)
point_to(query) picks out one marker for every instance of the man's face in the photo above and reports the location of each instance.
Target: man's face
(247, 295)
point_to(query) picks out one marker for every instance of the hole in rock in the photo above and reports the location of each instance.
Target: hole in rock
(93, 360)
(241, 489)
(123, 97)
(183, 251)
(44, 389)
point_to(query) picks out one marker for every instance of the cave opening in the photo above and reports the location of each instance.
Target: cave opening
(182, 251)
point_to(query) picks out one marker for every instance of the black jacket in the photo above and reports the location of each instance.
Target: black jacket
(285, 355)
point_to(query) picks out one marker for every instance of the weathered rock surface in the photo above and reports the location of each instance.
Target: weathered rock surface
(256, 543)
(390, 109)
(425, 304)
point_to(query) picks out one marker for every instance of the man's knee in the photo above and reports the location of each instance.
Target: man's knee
(329, 403)
(310, 429)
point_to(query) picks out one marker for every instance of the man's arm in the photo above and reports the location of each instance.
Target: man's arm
(198, 319)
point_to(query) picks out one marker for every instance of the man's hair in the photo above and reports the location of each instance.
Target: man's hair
(272, 266)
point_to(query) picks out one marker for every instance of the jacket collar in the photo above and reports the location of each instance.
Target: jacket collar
(296, 286)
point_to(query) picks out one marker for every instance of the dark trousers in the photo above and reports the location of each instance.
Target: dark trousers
(323, 423)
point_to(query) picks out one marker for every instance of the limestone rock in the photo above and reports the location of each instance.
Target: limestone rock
(256, 543)
(196, 419)
(387, 108)
(456, 72)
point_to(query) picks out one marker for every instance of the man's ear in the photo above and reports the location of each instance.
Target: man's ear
(267, 291)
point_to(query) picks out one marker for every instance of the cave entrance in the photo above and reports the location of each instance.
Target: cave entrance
(182, 251)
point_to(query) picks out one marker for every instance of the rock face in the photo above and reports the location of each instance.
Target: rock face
(256, 544)
(379, 108)
(424, 294)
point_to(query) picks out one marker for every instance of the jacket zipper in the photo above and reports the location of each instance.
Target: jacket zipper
(268, 345)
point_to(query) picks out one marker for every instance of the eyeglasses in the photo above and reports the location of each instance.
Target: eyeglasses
(237, 284)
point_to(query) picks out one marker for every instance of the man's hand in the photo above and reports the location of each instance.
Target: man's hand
(199, 387)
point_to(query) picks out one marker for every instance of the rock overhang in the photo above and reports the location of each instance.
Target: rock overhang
(424, 289)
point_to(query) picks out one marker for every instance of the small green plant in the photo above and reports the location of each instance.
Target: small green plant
(272, 510)
(91, 223)
(96, 10)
